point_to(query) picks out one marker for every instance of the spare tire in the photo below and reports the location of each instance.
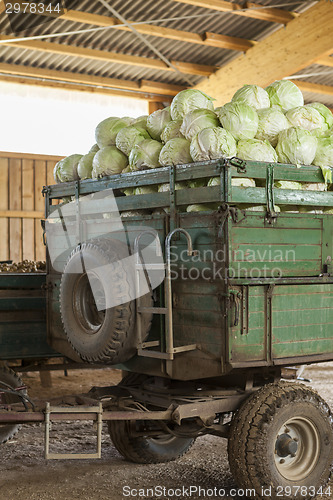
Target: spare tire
(99, 336)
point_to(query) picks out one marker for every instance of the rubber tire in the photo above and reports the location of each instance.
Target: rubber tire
(115, 342)
(144, 450)
(254, 428)
(7, 431)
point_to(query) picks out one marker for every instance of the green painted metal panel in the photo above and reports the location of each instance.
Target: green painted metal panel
(289, 318)
(23, 317)
(305, 348)
(248, 345)
(301, 332)
(21, 304)
(22, 280)
(275, 253)
(270, 236)
(21, 340)
(302, 320)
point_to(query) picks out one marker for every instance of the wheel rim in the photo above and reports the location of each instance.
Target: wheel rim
(86, 312)
(297, 448)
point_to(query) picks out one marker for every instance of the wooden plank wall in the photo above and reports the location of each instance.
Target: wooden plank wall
(22, 177)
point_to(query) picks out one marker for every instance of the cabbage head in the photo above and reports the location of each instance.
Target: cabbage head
(133, 213)
(107, 130)
(285, 95)
(55, 171)
(325, 113)
(314, 186)
(201, 207)
(145, 189)
(271, 122)
(197, 183)
(212, 143)
(241, 120)
(108, 161)
(324, 153)
(197, 120)
(127, 137)
(172, 130)
(235, 181)
(175, 152)
(297, 146)
(85, 166)
(141, 121)
(256, 150)
(94, 148)
(157, 121)
(163, 188)
(329, 132)
(66, 169)
(145, 155)
(287, 185)
(253, 95)
(306, 117)
(188, 100)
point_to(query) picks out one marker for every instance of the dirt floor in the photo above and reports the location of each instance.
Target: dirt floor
(26, 475)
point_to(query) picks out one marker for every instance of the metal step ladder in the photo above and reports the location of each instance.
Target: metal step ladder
(144, 347)
(73, 413)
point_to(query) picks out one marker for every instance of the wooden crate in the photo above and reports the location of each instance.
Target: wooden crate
(22, 177)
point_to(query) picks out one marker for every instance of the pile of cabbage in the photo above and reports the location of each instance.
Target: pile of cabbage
(269, 125)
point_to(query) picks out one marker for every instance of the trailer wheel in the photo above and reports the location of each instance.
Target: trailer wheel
(99, 336)
(8, 380)
(281, 442)
(143, 449)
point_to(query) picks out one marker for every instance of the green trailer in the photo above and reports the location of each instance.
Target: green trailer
(247, 292)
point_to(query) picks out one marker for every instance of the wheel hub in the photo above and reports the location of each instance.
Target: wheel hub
(286, 445)
(297, 448)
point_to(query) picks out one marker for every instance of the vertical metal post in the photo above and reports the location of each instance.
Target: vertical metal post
(78, 215)
(99, 429)
(47, 431)
(173, 209)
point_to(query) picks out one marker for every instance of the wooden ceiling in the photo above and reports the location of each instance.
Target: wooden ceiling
(114, 61)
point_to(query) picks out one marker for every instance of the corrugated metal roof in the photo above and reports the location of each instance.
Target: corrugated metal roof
(124, 42)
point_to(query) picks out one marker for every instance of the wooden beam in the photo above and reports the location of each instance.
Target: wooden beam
(325, 61)
(160, 88)
(154, 106)
(80, 78)
(282, 53)
(206, 39)
(315, 88)
(228, 42)
(91, 89)
(22, 214)
(111, 57)
(253, 10)
(29, 156)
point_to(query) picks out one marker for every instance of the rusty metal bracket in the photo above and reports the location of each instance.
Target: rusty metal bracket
(271, 215)
(226, 212)
(238, 163)
(235, 296)
(45, 190)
